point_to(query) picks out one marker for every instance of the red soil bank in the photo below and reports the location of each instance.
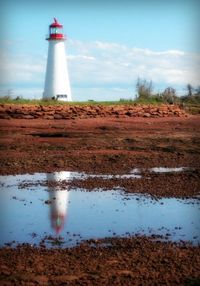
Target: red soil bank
(87, 111)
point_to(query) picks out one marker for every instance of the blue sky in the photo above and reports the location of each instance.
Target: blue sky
(110, 44)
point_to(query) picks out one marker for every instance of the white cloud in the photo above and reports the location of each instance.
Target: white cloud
(16, 69)
(121, 65)
(102, 68)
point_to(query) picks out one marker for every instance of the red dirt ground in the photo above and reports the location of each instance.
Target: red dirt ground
(131, 261)
(110, 146)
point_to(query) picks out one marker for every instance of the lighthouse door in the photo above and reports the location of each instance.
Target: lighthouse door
(61, 97)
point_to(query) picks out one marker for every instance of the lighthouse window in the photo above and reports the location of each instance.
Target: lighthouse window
(53, 30)
(56, 30)
(59, 31)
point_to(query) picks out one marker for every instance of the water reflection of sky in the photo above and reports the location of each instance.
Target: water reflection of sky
(78, 214)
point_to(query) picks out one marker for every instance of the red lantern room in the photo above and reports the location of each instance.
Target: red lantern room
(55, 31)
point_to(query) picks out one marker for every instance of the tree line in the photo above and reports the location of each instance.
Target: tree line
(144, 89)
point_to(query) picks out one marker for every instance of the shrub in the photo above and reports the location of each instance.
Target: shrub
(169, 95)
(144, 88)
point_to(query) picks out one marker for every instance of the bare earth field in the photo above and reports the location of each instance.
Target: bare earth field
(106, 145)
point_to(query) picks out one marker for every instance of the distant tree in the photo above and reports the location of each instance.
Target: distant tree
(9, 92)
(144, 88)
(6, 94)
(169, 95)
(189, 89)
(18, 97)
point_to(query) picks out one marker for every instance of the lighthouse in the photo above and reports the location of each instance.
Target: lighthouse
(57, 85)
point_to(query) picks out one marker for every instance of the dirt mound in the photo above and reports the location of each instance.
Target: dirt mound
(87, 111)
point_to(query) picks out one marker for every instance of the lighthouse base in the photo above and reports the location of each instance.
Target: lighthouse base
(58, 97)
(61, 97)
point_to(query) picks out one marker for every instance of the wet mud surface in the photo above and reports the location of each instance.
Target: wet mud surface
(113, 146)
(129, 261)
(107, 146)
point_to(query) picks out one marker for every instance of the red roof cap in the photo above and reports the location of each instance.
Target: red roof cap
(56, 24)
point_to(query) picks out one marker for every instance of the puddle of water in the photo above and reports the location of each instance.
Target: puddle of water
(169, 170)
(28, 215)
(69, 176)
(60, 176)
(162, 170)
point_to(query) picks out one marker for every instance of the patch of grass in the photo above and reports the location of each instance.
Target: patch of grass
(19, 100)
(151, 100)
(190, 107)
(56, 103)
(6, 100)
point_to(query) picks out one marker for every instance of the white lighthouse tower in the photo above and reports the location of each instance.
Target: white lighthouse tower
(57, 85)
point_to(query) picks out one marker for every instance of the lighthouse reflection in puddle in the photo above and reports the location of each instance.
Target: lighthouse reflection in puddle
(59, 200)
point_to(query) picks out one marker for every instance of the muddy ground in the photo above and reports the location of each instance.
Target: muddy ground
(105, 146)
(131, 261)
